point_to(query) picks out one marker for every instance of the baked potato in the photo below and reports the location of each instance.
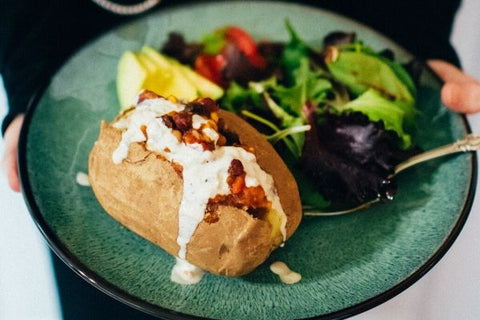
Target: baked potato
(152, 190)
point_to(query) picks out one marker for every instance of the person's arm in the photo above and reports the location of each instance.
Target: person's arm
(37, 37)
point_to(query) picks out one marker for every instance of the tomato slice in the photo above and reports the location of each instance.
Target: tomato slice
(245, 43)
(211, 67)
(241, 39)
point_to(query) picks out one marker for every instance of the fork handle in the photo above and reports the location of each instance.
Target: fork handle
(470, 143)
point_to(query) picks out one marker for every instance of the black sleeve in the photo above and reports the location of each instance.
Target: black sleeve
(36, 36)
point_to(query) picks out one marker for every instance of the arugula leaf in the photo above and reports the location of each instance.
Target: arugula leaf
(292, 136)
(286, 119)
(295, 51)
(237, 98)
(255, 99)
(309, 85)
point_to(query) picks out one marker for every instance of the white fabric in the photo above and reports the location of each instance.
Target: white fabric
(27, 285)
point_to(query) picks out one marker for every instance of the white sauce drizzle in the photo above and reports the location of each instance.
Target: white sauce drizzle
(286, 275)
(82, 179)
(204, 172)
(186, 273)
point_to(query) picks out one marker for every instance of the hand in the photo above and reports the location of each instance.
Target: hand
(461, 92)
(9, 158)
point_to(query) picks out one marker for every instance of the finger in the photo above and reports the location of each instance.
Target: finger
(448, 72)
(9, 166)
(12, 171)
(463, 97)
(9, 159)
(461, 92)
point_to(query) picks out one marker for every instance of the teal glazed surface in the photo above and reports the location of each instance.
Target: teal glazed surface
(345, 261)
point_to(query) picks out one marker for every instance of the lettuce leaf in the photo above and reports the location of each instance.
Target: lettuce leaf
(377, 108)
(360, 71)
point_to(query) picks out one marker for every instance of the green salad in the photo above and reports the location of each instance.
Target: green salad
(340, 115)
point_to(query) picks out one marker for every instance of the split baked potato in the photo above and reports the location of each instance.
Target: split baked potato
(144, 193)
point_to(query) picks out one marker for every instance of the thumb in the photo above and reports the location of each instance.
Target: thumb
(10, 166)
(461, 92)
(9, 159)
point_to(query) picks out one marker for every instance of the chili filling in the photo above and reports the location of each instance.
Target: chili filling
(252, 198)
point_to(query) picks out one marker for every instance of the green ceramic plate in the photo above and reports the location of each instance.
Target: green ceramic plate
(349, 263)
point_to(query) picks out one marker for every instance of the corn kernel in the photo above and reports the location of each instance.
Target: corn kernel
(177, 134)
(214, 116)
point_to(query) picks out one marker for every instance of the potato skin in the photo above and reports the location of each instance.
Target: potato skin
(144, 193)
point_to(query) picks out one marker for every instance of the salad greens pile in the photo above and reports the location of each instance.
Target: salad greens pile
(341, 116)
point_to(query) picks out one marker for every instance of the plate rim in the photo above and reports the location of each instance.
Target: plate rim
(125, 297)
